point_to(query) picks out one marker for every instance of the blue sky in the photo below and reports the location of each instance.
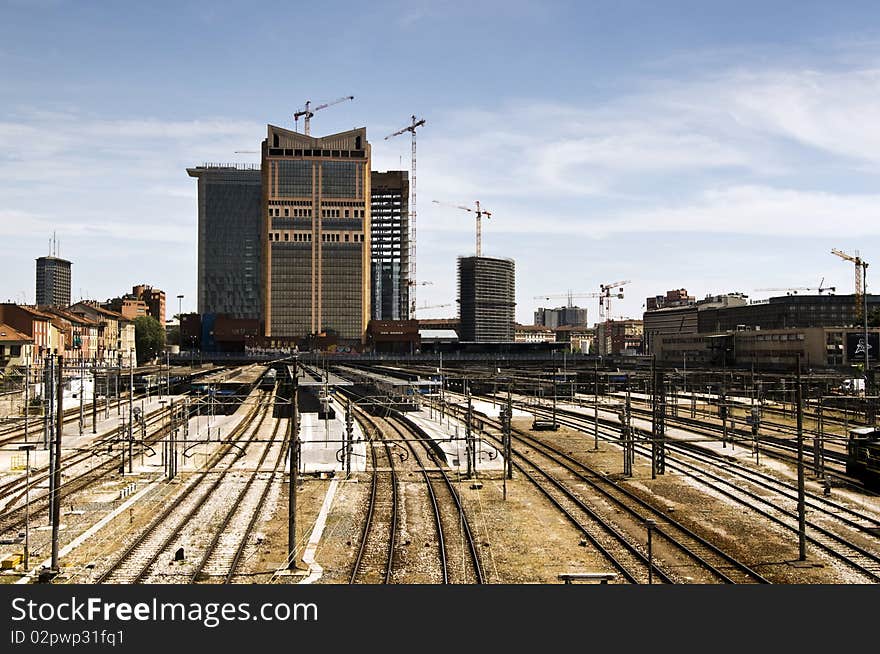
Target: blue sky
(716, 146)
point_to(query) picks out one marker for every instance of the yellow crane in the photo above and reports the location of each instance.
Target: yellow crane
(479, 212)
(861, 267)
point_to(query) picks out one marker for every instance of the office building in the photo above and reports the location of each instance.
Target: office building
(561, 317)
(53, 281)
(229, 246)
(619, 337)
(153, 298)
(316, 220)
(486, 299)
(785, 312)
(389, 244)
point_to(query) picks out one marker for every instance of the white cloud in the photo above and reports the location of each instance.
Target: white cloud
(760, 211)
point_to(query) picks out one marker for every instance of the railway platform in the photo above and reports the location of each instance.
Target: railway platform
(449, 434)
(323, 440)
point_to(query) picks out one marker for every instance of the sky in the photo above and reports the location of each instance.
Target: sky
(713, 146)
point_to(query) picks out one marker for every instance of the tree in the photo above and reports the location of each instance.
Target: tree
(874, 318)
(149, 337)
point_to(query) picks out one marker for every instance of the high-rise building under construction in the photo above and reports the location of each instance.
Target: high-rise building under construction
(389, 229)
(316, 217)
(487, 299)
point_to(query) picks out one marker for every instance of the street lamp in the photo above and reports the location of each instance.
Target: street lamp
(27, 501)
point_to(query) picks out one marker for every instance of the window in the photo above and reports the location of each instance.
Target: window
(286, 212)
(338, 179)
(294, 178)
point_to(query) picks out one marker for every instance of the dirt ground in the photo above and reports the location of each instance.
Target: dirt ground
(525, 539)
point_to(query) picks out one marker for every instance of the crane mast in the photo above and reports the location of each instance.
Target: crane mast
(861, 271)
(411, 128)
(479, 212)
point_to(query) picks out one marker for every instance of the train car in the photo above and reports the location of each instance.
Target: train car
(269, 379)
(147, 383)
(863, 455)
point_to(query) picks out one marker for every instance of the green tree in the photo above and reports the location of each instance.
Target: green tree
(149, 337)
(874, 318)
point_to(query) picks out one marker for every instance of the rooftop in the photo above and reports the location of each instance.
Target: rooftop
(10, 335)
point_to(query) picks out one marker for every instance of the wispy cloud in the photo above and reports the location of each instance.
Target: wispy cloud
(760, 152)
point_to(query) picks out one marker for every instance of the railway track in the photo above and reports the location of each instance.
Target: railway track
(374, 562)
(75, 481)
(593, 495)
(137, 560)
(463, 566)
(776, 501)
(222, 556)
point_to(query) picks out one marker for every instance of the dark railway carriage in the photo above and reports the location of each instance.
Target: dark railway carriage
(269, 379)
(863, 455)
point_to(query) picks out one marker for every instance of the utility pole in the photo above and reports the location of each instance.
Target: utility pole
(27, 502)
(130, 406)
(802, 518)
(56, 499)
(27, 403)
(819, 441)
(81, 384)
(658, 422)
(293, 437)
(48, 405)
(508, 435)
(467, 431)
(596, 406)
(349, 437)
(94, 397)
(628, 444)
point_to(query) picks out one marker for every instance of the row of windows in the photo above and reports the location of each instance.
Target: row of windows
(774, 337)
(298, 152)
(297, 213)
(306, 237)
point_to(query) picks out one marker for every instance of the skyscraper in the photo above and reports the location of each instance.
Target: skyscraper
(389, 230)
(53, 282)
(487, 298)
(229, 239)
(316, 217)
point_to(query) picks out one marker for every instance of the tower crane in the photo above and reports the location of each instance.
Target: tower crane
(794, 290)
(606, 295)
(308, 112)
(479, 212)
(568, 296)
(430, 306)
(860, 279)
(411, 128)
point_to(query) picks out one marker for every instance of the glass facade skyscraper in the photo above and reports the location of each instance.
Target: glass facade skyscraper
(229, 240)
